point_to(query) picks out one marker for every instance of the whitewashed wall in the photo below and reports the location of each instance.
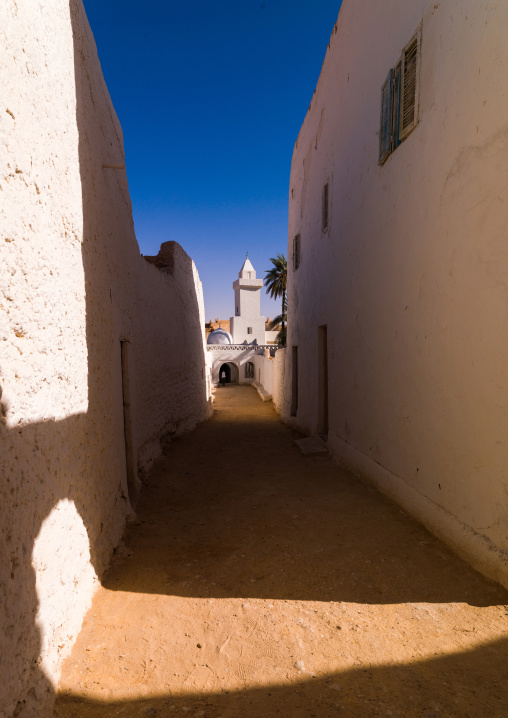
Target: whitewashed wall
(278, 374)
(410, 279)
(72, 286)
(263, 368)
(237, 360)
(169, 353)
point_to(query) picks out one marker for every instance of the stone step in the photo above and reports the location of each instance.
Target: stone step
(264, 395)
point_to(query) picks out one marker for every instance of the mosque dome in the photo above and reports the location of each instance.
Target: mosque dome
(219, 336)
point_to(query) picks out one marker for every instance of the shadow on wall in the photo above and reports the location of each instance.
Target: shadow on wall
(444, 686)
(41, 476)
(67, 497)
(28, 692)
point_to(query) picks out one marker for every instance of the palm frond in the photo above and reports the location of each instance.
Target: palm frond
(276, 277)
(275, 282)
(276, 322)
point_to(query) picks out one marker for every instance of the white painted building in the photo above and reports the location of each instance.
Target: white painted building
(397, 327)
(244, 355)
(248, 325)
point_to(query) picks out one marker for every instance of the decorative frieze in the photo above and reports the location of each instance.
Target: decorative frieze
(239, 347)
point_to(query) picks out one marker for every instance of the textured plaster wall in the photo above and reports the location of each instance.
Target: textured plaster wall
(249, 317)
(169, 363)
(278, 372)
(410, 278)
(263, 371)
(271, 336)
(72, 285)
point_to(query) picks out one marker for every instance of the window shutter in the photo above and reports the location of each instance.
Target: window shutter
(409, 87)
(396, 86)
(324, 223)
(385, 130)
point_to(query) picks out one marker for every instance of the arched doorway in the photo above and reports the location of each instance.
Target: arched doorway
(225, 369)
(231, 371)
(229, 368)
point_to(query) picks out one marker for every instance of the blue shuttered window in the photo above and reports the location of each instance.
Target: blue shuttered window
(399, 100)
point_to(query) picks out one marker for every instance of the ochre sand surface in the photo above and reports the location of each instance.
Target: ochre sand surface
(259, 582)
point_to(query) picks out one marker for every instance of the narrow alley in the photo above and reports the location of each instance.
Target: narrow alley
(257, 581)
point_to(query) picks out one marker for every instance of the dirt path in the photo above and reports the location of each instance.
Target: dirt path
(259, 582)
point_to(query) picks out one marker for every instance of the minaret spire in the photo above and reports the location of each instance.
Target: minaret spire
(247, 326)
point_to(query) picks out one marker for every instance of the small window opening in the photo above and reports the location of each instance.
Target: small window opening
(325, 203)
(249, 330)
(296, 252)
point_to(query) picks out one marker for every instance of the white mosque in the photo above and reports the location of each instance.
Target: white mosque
(234, 354)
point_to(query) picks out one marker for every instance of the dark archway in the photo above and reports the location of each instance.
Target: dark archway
(226, 369)
(231, 371)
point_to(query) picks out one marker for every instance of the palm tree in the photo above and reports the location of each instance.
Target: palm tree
(275, 283)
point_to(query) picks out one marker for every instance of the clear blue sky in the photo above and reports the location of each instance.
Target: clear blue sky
(211, 97)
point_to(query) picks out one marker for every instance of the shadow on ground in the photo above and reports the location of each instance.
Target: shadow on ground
(451, 687)
(235, 510)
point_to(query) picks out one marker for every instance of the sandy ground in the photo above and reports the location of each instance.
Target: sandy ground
(260, 582)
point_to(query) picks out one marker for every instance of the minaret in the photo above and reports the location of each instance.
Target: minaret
(247, 324)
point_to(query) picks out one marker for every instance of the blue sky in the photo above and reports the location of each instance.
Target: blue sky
(211, 97)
